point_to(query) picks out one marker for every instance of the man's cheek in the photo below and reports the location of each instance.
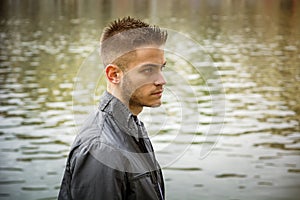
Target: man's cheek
(139, 85)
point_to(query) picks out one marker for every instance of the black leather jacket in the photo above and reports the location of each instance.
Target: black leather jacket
(112, 158)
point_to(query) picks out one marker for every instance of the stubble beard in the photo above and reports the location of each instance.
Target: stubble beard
(131, 95)
(128, 93)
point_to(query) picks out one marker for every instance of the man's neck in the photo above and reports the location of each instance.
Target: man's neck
(134, 109)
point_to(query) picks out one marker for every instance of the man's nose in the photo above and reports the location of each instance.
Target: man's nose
(160, 80)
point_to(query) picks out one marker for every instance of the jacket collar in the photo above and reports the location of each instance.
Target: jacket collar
(121, 114)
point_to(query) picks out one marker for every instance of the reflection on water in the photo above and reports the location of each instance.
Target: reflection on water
(254, 44)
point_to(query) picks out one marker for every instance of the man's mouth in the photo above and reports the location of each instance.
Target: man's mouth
(157, 93)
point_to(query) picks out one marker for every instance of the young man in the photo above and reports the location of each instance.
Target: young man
(112, 156)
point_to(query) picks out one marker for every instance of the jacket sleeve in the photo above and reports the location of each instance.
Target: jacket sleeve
(91, 179)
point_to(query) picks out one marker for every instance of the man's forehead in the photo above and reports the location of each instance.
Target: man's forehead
(149, 53)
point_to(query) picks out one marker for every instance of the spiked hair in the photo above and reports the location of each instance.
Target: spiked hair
(123, 36)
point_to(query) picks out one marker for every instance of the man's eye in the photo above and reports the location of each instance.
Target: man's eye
(148, 70)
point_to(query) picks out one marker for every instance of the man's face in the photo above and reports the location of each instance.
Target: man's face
(143, 81)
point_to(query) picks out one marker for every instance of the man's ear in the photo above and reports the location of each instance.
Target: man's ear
(113, 73)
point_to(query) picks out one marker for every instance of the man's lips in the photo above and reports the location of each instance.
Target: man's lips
(158, 93)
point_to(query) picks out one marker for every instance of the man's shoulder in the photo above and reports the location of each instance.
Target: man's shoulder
(100, 127)
(94, 143)
(91, 128)
(102, 139)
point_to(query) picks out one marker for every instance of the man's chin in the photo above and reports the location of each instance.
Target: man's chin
(155, 105)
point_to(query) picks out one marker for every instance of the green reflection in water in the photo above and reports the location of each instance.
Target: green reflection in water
(255, 44)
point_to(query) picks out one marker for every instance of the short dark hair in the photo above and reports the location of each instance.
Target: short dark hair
(125, 35)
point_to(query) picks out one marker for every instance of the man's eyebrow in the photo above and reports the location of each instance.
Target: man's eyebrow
(154, 65)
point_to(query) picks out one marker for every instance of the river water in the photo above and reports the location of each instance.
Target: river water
(229, 124)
